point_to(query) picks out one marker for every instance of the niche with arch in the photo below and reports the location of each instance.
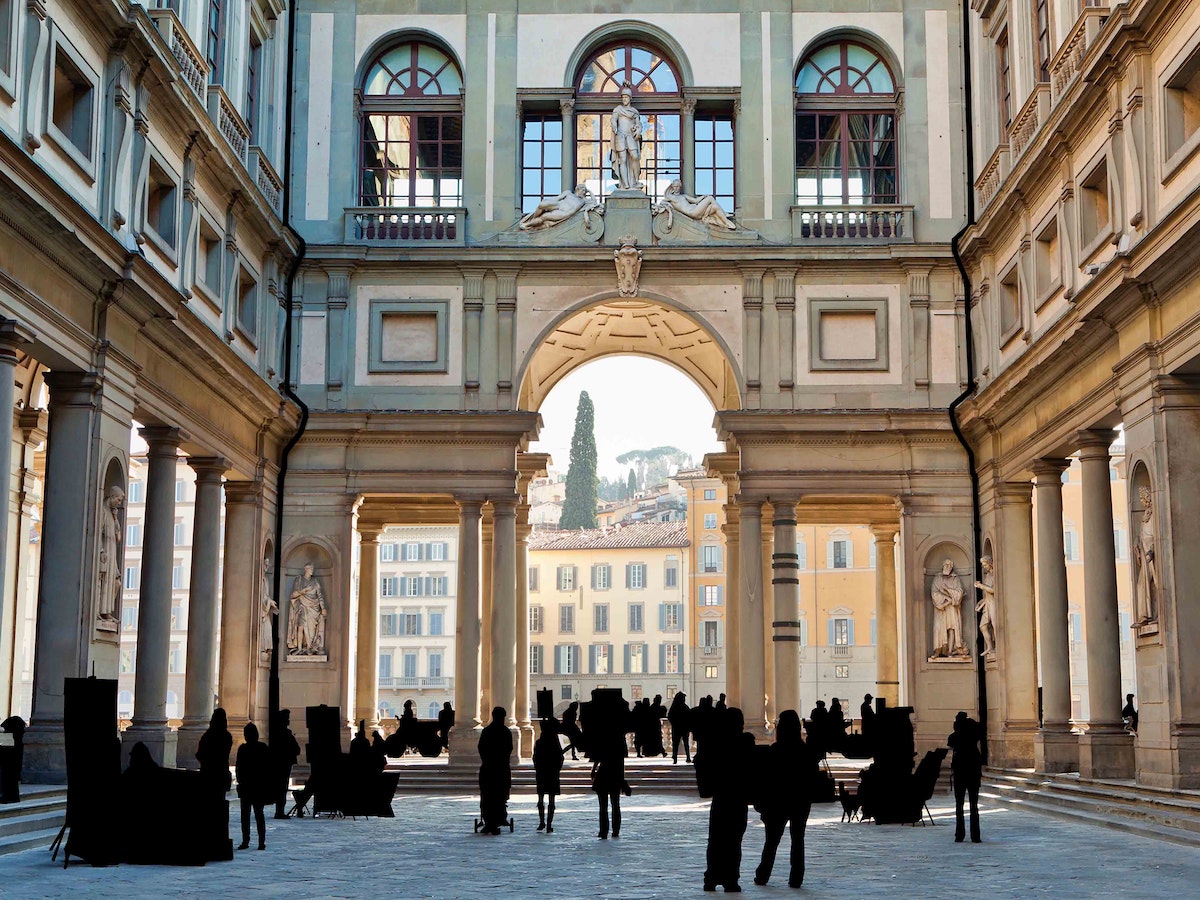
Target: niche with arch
(964, 573)
(268, 610)
(110, 555)
(1144, 568)
(304, 622)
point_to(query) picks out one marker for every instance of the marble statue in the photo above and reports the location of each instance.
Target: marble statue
(110, 581)
(625, 152)
(947, 594)
(1145, 561)
(628, 259)
(266, 610)
(306, 619)
(987, 607)
(702, 209)
(557, 210)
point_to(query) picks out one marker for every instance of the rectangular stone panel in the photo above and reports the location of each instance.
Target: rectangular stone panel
(409, 336)
(848, 334)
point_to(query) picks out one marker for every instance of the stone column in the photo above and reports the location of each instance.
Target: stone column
(1014, 625)
(767, 633)
(241, 584)
(525, 748)
(785, 583)
(485, 617)
(1055, 748)
(464, 735)
(733, 607)
(149, 723)
(751, 616)
(887, 641)
(202, 608)
(63, 616)
(1106, 750)
(366, 668)
(567, 108)
(504, 607)
(12, 336)
(687, 155)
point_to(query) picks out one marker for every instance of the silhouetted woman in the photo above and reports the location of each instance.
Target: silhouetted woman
(966, 767)
(678, 716)
(787, 797)
(547, 765)
(253, 784)
(495, 774)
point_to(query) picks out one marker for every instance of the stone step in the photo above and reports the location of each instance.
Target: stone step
(1138, 799)
(29, 840)
(34, 821)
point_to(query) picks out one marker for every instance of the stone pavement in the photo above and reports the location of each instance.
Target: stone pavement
(428, 850)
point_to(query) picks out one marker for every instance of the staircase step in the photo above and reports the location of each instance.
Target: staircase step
(29, 840)
(33, 822)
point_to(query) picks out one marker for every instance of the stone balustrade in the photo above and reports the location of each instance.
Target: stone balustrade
(228, 121)
(989, 180)
(405, 225)
(1029, 119)
(270, 185)
(852, 223)
(192, 66)
(1069, 59)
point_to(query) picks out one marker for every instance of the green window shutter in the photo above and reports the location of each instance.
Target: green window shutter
(721, 594)
(428, 586)
(612, 663)
(558, 660)
(628, 575)
(645, 659)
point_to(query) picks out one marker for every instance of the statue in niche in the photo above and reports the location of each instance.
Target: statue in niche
(110, 580)
(947, 594)
(557, 210)
(628, 259)
(987, 607)
(1145, 563)
(702, 209)
(625, 152)
(267, 609)
(307, 615)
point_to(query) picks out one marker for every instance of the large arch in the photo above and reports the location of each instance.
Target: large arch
(646, 325)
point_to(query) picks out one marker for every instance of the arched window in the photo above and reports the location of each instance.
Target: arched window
(845, 128)
(412, 128)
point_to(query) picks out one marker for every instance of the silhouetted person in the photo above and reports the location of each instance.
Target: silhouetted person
(818, 728)
(445, 723)
(214, 748)
(495, 774)
(253, 767)
(12, 759)
(837, 725)
(867, 714)
(966, 767)
(653, 745)
(547, 765)
(786, 797)
(363, 758)
(638, 718)
(702, 720)
(721, 703)
(678, 716)
(570, 728)
(408, 725)
(728, 753)
(1129, 715)
(285, 750)
(379, 745)
(608, 779)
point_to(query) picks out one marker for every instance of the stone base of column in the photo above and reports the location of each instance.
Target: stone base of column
(1013, 748)
(464, 746)
(889, 691)
(1187, 758)
(370, 716)
(45, 760)
(160, 740)
(1056, 749)
(187, 739)
(527, 737)
(1106, 752)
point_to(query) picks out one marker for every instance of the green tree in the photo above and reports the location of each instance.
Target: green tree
(631, 487)
(579, 504)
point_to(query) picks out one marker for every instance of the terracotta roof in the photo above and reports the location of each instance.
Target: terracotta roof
(640, 534)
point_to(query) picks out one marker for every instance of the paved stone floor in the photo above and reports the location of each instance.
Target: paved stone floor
(428, 850)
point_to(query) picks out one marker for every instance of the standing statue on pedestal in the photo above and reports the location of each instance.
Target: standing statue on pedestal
(1145, 562)
(110, 581)
(987, 607)
(625, 152)
(267, 608)
(947, 594)
(306, 619)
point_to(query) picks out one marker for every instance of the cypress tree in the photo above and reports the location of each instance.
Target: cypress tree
(579, 504)
(631, 485)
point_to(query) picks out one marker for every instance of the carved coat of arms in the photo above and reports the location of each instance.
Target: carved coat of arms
(628, 259)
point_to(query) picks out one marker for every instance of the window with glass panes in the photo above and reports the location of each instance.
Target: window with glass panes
(600, 618)
(541, 158)
(656, 95)
(714, 166)
(411, 144)
(845, 128)
(537, 661)
(1005, 83)
(535, 619)
(253, 73)
(1041, 24)
(636, 618)
(214, 31)
(566, 618)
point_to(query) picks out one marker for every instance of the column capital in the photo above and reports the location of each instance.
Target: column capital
(467, 502)
(1010, 493)
(783, 511)
(1048, 470)
(208, 468)
(369, 534)
(504, 506)
(13, 335)
(243, 492)
(752, 509)
(1094, 443)
(69, 388)
(885, 533)
(162, 438)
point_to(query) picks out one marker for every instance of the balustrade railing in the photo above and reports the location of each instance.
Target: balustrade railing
(406, 224)
(231, 125)
(192, 67)
(852, 223)
(270, 185)
(1066, 63)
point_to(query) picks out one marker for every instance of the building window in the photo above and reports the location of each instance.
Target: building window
(840, 554)
(439, 586)
(8, 41)
(637, 622)
(437, 551)
(537, 664)
(412, 128)
(1070, 545)
(671, 657)
(175, 660)
(635, 576)
(389, 586)
(710, 595)
(670, 616)
(178, 622)
(412, 586)
(1181, 106)
(387, 552)
(412, 551)
(565, 692)
(1094, 222)
(1047, 271)
(162, 212)
(1121, 544)
(412, 624)
(710, 671)
(533, 578)
(385, 668)
(601, 577)
(671, 573)
(178, 535)
(253, 74)
(637, 659)
(600, 618)
(600, 659)
(133, 534)
(714, 167)
(215, 30)
(841, 671)
(410, 665)
(209, 259)
(535, 619)
(436, 623)
(127, 662)
(177, 577)
(710, 521)
(435, 665)
(247, 304)
(802, 554)
(845, 127)
(128, 617)
(541, 158)
(656, 87)
(568, 659)
(566, 578)
(710, 493)
(709, 632)
(635, 692)
(711, 558)
(387, 624)
(1004, 83)
(1041, 26)
(73, 112)
(566, 618)
(840, 631)
(137, 492)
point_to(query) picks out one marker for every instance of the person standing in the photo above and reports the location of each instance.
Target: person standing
(678, 716)
(445, 723)
(253, 766)
(728, 751)
(787, 799)
(570, 728)
(966, 768)
(608, 778)
(1129, 715)
(285, 751)
(547, 767)
(495, 773)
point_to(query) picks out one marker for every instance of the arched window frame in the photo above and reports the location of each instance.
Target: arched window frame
(439, 113)
(841, 113)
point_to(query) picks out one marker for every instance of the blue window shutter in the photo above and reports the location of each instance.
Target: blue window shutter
(592, 659)
(628, 658)
(720, 558)
(662, 617)
(427, 588)
(699, 595)
(558, 660)
(578, 657)
(628, 575)
(873, 633)
(419, 624)
(830, 624)
(662, 658)
(850, 636)
(593, 578)
(721, 593)
(612, 663)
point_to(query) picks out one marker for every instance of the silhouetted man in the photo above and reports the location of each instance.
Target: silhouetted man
(818, 728)
(729, 750)
(285, 750)
(495, 774)
(253, 784)
(1129, 715)
(445, 723)
(867, 714)
(678, 716)
(721, 703)
(966, 767)
(570, 728)
(786, 797)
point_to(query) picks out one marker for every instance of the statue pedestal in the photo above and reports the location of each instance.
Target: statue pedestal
(628, 212)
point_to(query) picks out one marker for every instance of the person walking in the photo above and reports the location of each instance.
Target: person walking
(548, 757)
(787, 797)
(254, 784)
(966, 769)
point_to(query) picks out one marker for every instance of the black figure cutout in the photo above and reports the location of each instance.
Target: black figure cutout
(678, 716)
(548, 756)
(445, 723)
(702, 720)
(570, 728)
(787, 797)
(837, 726)
(212, 752)
(608, 778)
(495, 774)
(408, 725)
(867, 715)
(966, 767)
(12, 759)
(818, 728)
(254, 789)
(721, 703)
(1129, 715)
(285, 750)
(638, 717)
(726, 759)
(653, 744)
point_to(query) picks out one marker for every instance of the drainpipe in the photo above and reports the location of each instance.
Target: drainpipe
(277, 579)
(976, 527)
